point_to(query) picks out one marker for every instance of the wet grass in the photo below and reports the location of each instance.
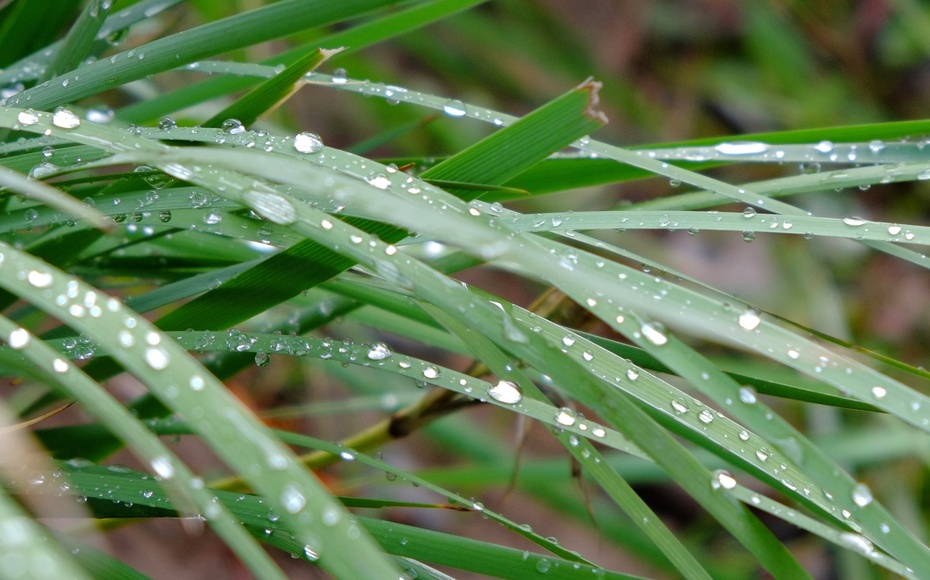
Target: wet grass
(494, 319)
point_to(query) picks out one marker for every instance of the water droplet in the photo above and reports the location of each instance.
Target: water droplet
(340, 77)
(543, 565)
(862, 495)
(39, 279)
(166, 123)
(679, 406)
(379, 180)
(749, 212)
(748, 236)
(747, 395)
(197, 383)
(307, 142)
(505, 392)
(750, 319)
(742, 148)
(292, 499)
(65, 119)
(59, 366)
(379, 351)
(855, 221)
(924, 175)
(654, 333)
(162, 467)
(212, 218)
(568, 340)
(273, 207)
(894, 230)
(233, 126)
(857, 542)
(431, 372)
(824, 147)
(722, 479)
(565, 417)
(876, 145)
(157, 358)
(27, 117)
(706, 416)
(879, 392)
(262, 359)
(18, 339)
(744, 435)
(454, 108)
(793, 354)
(632, 374)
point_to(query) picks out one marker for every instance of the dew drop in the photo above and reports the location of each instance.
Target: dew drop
(568, 340)
(162, 467)
(379, 351)
(862, 495)
(18, 339)
(632, 374)
(879, 392)
(39, 279)
(722, 479)
(742, 148)
(747, 395)
(197, 383)
(379, 180)
(307, 142)
(431, 372)
(27, 117)
(706, 416)
(857, 542)
(233, 126)
(855, 221)
(292, 499)
(340, 77)
(565, 417)
(505, 392)
(894, 230)
(654, 333)
(750, 319)
(824, 147)
(65, 119)
(454, 108)
(272, 206)
(157, 358)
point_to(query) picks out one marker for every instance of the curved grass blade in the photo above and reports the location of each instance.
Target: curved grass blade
(238, 31)
(77, 42)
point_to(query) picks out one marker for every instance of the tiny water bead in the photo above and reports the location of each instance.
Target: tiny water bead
(65, 119)
(308, 142)
(505, 392)
(340, 76)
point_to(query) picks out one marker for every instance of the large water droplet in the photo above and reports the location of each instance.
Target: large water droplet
(292, 499)
(431, 372)
(454, 108)
(742, 148)
(39, 279)
(857, 542)
(750, 319)
(379, 351)
(307, 142)
(233, 126)
(654, 333)
(340, 77)
(565, 417)
(27, 117)
(862, 495)
(157, 358)
(271, 206)
(505, 392)
(824, 147)
(162, 467)
(18, 339)
(855, 221)
(65, 119)
(379, 180)
(722, 479)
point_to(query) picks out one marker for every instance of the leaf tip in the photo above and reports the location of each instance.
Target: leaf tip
(592, 87)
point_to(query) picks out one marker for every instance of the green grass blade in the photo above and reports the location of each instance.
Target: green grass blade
(265, 23)
(378, 29)
(273, 92)
(78, 41)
